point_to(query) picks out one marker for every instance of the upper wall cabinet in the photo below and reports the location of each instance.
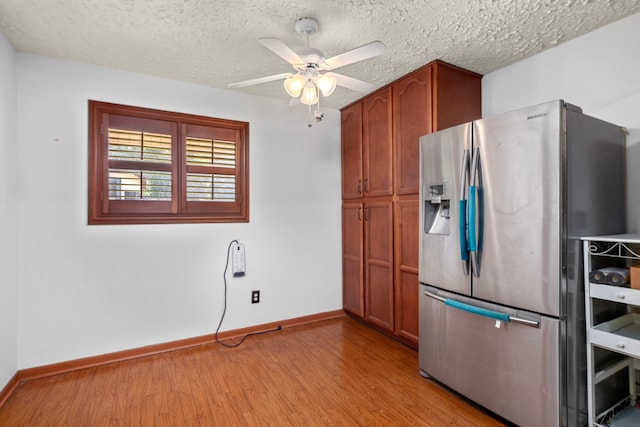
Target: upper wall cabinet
(367, 152)
(434, 97)
(381, 132)
(378, 152)
(351, 134)
(413, 118)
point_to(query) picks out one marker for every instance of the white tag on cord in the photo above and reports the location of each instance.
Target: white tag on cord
(498, 324)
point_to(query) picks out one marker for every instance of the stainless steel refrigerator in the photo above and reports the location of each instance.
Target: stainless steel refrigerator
(504, 201)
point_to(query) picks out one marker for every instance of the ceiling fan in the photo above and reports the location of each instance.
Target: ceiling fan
(313, 72)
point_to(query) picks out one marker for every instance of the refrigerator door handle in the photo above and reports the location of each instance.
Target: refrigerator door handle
(477, 310)
(483, 311)
(462, 212)
(473, 203)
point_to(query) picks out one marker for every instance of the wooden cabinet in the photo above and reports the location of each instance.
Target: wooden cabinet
(378, 254)
(427, 100)
(367, 259)
(407, 220)
(353, 258)
(380, 176)
(367, 152)
(411, 107)
(378, 150)
(352, 155)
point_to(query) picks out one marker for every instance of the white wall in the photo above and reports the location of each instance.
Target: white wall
(8, 215)
(89, 290)
(600, 72)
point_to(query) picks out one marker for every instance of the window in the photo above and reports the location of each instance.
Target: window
(149, 166)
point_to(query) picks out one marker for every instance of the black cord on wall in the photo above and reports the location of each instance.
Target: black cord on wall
(224, 311)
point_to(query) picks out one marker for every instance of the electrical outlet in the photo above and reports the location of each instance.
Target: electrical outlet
(255, 297)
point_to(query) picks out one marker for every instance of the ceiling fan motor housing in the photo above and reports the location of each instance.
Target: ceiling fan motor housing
(308, 26)
(311, 55)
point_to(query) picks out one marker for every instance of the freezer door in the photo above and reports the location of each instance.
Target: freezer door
(518, 181)
(444, 179)
(509, 368)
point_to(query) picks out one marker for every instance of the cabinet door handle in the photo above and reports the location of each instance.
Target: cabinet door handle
(366, 185)
(359, 186)
(365, 214)
(359, 214)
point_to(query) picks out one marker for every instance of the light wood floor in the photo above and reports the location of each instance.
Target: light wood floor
(330, 373)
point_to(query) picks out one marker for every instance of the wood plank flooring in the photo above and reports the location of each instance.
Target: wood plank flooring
(331, 373)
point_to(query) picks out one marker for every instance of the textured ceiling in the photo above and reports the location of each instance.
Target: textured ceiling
(215, 42)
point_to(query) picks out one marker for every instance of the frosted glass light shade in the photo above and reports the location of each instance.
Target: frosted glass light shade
(309, 94)
(293, 85)
(326, 84)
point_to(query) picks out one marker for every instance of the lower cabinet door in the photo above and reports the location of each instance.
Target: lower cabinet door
(352, 258)
(379, 302)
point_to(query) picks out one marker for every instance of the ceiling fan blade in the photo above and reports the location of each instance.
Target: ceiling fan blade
(282, 50)
(260, 80)
(351, 83)
(361, 53)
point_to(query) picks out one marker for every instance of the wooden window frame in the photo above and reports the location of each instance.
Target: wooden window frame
(102, 210)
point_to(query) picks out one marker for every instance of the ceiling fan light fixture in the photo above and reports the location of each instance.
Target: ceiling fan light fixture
(314, 74)
(309, 94)
(326, 84)
(293, 85)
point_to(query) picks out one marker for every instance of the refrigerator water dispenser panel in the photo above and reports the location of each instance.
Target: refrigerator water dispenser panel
(437, 209)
